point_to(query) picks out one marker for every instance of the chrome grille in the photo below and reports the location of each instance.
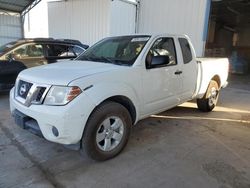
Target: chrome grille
(23, 88)
(31, 93)
(39, 96)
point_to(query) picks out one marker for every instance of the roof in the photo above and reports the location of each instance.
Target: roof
(52, 40)
(18, 6)
(19, 42)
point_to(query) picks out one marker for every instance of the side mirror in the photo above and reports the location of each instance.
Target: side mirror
(159, 61)
(149, 60)
(10, 57)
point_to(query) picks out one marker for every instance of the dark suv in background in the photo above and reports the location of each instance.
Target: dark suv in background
(19, 55)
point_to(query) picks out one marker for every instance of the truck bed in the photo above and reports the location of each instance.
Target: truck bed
(208, 67)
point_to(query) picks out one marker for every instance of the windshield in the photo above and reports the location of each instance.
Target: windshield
(6, 47)
(116, 50)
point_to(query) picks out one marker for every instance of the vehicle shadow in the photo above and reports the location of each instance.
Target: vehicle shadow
(185, 117)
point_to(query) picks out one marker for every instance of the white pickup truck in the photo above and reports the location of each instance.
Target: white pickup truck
(94, 100)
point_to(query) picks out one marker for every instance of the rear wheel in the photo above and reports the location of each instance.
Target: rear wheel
(209, 101)
(107, 131)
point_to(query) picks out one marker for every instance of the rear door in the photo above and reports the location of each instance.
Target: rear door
(189, 68)
(162, 83)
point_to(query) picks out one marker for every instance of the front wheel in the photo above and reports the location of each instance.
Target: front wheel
(107, 131)
(209, 101)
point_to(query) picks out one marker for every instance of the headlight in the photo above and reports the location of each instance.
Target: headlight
(61, 95)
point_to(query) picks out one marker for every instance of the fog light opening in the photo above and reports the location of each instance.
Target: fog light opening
(55, 131)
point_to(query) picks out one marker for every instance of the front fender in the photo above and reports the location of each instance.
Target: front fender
(100, 92)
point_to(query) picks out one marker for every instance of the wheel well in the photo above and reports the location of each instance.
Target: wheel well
(216, 78)
(127, 103)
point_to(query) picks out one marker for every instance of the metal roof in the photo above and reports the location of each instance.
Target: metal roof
(18, 6)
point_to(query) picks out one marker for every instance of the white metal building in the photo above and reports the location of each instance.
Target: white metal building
(91, 20)
(188, 17)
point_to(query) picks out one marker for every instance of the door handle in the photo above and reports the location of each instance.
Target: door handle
(178, 72)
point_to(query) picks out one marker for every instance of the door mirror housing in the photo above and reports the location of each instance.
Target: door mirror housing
(149, 60)
(156, 61)
(10, 57)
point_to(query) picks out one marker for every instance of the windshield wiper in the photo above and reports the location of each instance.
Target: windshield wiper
(102, 59)
(114, 61)
(84, 58)
(107, 59)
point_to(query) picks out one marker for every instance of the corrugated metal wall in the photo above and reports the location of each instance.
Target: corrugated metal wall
(10, 27)
(85, 20)
(123, 16)
(177, 17)
(91, 20)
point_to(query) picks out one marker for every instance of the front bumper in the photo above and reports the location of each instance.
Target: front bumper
(27, 123)
(69, 120)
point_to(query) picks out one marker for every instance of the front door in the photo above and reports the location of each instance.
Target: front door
(162, 79)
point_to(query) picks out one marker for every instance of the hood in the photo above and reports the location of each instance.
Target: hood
(64, 72)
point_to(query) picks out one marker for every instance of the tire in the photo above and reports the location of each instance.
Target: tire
(106, 132)
(209, 101)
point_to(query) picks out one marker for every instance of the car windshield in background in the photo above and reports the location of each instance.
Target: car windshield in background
(116, 50)
(6, 47)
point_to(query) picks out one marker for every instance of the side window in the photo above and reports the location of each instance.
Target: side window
(58, 50)
(77, 50)
(162, 53)
(29, 50)
(186, 50)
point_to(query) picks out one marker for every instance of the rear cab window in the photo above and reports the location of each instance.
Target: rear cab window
(186, 50)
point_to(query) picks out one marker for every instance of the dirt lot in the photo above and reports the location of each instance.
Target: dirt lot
(178, 148)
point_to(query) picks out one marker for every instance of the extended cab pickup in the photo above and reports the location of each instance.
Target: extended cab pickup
(94, 100)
